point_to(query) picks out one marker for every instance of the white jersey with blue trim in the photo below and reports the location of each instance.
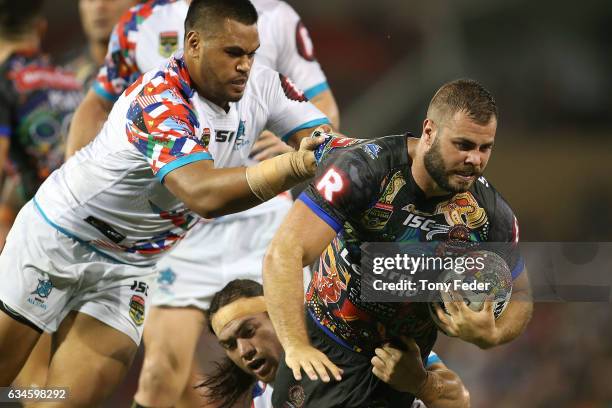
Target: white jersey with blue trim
(110, 194)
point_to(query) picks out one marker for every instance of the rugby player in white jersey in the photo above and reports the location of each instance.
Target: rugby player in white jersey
(217, 251)
(81, 255)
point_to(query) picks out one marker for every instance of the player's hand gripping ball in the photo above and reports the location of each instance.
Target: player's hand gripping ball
(489, 279)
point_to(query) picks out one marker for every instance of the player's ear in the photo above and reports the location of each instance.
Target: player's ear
(193, 42)
(429, 131)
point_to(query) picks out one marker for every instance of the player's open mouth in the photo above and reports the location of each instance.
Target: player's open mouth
(258, 366)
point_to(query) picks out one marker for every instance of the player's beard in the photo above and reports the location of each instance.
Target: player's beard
(435, 166)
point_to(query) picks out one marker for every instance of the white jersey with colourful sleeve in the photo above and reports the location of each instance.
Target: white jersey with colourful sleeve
(110, 195)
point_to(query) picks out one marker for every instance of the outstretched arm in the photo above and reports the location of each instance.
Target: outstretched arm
(301, 238)
(213, 192)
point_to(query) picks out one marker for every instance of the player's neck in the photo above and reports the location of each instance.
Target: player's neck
(97, 51)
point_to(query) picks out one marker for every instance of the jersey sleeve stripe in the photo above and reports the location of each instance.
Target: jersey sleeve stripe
(309, 124)
(329, 220)
(315, 90)
(432, 359)
(518, 269)
(180, 162)
(5, 131)
(99, 89)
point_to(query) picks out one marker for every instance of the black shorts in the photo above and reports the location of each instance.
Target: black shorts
(359, 387)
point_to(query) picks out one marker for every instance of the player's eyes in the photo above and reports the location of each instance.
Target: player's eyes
(234, 54)
(463, 146)
(248, 333)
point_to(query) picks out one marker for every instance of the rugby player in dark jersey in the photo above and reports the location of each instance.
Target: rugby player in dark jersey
(390, 189)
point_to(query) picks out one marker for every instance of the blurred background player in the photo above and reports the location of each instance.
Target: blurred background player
(37, 103)
(365, 191)
(215, 251)
(239, 318)
(98, 17)
(81, 255)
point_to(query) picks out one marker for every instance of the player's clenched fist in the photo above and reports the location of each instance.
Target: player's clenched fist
(314, 363)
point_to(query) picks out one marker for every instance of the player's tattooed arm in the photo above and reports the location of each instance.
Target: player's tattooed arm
(300, 239)
(403, 370)
(87, 122)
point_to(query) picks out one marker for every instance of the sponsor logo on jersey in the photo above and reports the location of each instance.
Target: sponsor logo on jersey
(463, 209)
(168, 43)
(371, 149)
(224, 135)
(41, 293)
(166, 277)
(206, 136)
(106, 230)
(330, 184)
(303, 42)
(291, 90)
(296, 396)
(331, 143)
(137, 309)
(44, 288)
(377, 217)
(241, 139)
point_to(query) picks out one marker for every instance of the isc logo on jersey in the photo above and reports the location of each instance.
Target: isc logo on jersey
(331, 183)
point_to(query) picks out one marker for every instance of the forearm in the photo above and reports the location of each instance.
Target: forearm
(444, 389)
(87, 122)
(214, 192)
(513, 321)
(283, 286)
(326, 103)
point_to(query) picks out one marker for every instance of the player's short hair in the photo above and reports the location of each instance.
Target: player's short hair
(465, 95)
(206, 15)
(16, 16)
(228, 382)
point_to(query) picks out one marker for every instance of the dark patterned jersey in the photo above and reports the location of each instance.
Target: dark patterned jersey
(36, 104)
(365, 191)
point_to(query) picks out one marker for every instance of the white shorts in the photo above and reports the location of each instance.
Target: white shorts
(45, 275)
(215, 253)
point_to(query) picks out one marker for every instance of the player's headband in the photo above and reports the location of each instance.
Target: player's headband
(237, 309)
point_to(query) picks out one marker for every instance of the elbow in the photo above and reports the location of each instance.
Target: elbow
(271, 257)
(204, 208)
(465, 398)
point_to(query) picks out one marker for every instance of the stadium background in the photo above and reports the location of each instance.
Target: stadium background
(548, 63)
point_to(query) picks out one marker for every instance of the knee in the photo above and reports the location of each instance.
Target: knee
(160, 379)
